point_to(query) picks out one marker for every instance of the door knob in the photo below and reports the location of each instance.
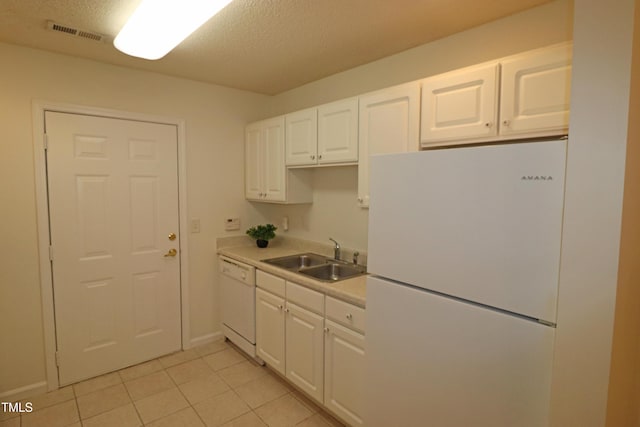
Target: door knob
(172, 252)
(172, 236)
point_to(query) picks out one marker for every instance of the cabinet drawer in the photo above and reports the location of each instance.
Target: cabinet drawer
(346, 314)
(270, 283)
(305, 297)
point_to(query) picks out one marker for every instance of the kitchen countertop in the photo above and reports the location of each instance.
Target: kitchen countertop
(349, 290)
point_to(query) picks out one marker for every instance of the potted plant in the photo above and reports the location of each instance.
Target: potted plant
(262, 234)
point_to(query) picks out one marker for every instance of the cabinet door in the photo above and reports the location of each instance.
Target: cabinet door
(389, 122)
(305, 350)
(301, 137)
(460, 105)
(253, 161)
(338, 131)
(274, 179)
(535, 91)
(344, 373)
(270, 326)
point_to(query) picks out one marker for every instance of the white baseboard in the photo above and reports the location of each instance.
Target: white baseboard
(24, 392)
(205, 339)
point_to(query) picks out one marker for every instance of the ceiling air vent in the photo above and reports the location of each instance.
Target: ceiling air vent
(76, 32)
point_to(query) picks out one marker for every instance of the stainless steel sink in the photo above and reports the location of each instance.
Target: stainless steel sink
(298, 261)
(318, 267)
(333, 271)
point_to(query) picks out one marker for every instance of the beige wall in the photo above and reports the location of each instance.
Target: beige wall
(215, 118)
(334, 212)
(598, 127)
(624, 384)
(345, 221)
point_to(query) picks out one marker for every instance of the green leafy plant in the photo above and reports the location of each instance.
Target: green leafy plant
(262, 232)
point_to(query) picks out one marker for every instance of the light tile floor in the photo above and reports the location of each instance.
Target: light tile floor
(210, 385)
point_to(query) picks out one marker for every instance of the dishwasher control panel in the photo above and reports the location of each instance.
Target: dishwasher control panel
(238, 271)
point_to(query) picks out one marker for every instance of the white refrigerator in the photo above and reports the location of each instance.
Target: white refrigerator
(464, 256)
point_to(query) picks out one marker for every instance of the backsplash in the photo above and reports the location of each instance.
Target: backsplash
(301, 244)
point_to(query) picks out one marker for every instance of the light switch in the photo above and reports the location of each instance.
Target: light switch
(195, 225)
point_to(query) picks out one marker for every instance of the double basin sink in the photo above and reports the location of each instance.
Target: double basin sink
(318, 267)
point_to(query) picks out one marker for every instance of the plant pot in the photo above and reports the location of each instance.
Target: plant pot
(262, 243)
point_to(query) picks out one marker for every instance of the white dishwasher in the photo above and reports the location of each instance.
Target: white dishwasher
(238, 303)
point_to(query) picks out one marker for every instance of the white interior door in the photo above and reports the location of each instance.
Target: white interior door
(113, 200)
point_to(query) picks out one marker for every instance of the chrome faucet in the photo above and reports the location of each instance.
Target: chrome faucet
(336, 249)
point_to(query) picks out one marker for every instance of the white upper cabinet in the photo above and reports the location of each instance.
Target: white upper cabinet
(535, 91)
(460, 104)
(522, 96)
(273, 154)
(338, 132)
(324, 135)
(389, 122)
(266, 177)
(302, 137)
(254, 161)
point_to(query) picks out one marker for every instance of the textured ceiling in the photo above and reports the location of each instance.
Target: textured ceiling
(265, 46)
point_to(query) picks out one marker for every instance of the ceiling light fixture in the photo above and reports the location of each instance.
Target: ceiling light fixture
(157, 26)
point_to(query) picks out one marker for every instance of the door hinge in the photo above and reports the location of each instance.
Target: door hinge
(45, 141)
(57, 359)
(50, 253)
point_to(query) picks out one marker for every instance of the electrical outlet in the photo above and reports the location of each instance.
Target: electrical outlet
(231, 224)
(195, 225)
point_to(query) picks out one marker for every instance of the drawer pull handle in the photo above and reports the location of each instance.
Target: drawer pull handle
(349, 316)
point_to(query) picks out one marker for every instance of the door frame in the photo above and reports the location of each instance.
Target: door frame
(39, 108)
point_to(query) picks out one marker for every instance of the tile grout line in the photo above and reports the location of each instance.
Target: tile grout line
(180, 390)
(133, 403)
(291, 391)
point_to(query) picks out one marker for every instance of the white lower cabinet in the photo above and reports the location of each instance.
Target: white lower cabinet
(305, 350)
(323, 357)
(344, 372)
(270, 329)
(289, 332)
(344, 360)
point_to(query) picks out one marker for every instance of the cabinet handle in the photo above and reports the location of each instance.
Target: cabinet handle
(286, 310)
(506, 122)
(488, 124)
(349, 316)
(359, 199)
(320, 157)
(280, 307)
(326, 329)
(313, 157)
